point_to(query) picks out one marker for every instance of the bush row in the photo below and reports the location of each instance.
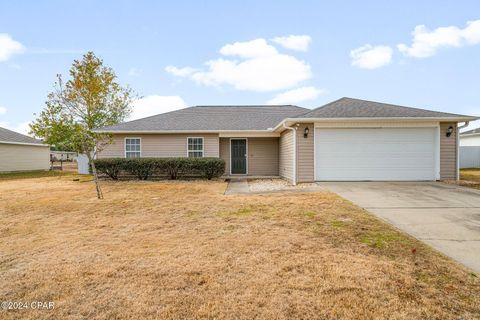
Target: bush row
(144, 168)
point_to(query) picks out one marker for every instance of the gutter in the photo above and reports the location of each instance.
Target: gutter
(180, 131)
(359, 119)
(294, 131)
(294, 120)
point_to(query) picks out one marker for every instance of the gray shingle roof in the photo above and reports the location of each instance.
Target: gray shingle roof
(215, 118)
(15, 137)
(356, 108)
(212, 118)
(473, 131)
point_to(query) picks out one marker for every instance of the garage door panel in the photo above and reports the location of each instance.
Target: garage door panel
(375, 154)
(397, 175)
(384, 147)
(366, 162)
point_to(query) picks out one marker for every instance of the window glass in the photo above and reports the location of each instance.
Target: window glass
(132, 147)
(195, 147)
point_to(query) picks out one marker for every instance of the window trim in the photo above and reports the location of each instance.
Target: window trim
(125, 146)
(203, 147)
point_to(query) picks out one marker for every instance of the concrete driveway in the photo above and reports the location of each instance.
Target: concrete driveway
(447, 217)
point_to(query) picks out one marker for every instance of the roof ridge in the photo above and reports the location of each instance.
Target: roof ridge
(384, 103)
(406, 107)
(325, 105)
(246, 105)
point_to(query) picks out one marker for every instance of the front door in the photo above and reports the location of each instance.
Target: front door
(238, 151)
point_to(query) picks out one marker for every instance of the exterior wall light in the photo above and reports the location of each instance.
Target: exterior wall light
(449, 131)
(305, 132)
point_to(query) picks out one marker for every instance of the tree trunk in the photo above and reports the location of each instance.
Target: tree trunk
(95, 177)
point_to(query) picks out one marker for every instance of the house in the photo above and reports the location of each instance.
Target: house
(470, 138)
(470, 149)
(19, 152)
(345, 140)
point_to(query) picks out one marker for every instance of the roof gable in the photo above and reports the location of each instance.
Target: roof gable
(15, 137)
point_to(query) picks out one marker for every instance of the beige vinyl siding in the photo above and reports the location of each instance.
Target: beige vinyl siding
(16, 157)
(286, 155)
(262, 156)
(225, 153)
(161, 145)
(305, 154)
(448, 152)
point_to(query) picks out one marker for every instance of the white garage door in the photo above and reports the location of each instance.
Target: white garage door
(375, 154)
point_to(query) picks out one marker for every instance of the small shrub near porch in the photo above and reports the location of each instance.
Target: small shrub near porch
(171, 168)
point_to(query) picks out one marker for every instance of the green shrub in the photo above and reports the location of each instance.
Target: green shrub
(145, 168)
(173, 166)
(111, 167)
(142, 168)
(208, 167)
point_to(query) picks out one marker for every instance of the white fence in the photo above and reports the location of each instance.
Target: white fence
(82, 162)
(470, 157)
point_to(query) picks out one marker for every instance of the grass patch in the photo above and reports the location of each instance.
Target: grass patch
(470, 174)
(339, 224)
(33, 174)
(470, 178)
(310, 214)
(380, 239)
(174, 250)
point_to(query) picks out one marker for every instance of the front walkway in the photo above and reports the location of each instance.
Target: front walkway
(237, 186)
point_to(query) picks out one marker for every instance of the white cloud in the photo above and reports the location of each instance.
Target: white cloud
(9, 47)
(426, 43)
(134, 72)
(471, 33)
(299, 43)
(296, 95)
(3, 110)
(260, 68)
(155, 104)
(371, 57)
(180, 72)
(250, 49)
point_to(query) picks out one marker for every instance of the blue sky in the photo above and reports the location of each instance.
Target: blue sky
(307, 53)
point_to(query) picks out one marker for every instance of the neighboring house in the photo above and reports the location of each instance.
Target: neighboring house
(19, 152)
(347, 139)
(470, 138)
(470, 149)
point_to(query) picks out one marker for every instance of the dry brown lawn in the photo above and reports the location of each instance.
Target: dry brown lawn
(184, 250)
(470, 178)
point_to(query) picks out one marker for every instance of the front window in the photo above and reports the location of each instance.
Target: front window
(195, 147)
(132, 147)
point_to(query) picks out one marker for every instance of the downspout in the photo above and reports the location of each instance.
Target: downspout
(458, 147)
(294, 131)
